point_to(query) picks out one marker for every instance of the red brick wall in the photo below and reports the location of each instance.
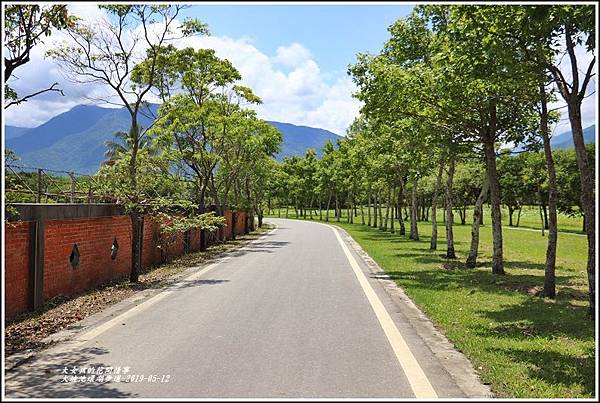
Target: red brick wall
(16, 262)
(240, 223)
(227, 230)
(150, 253)
(94, 238)
(195, 239)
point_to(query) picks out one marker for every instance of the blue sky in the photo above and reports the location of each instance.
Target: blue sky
(333, 33)
(295, 57)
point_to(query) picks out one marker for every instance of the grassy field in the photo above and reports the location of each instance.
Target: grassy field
(524, 346)
(530, 218)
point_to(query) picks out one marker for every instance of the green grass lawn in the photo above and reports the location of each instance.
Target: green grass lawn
(524, 346)
(530, 218)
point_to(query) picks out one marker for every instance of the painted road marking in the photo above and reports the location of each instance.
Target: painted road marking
(419, 383)
(98, 330)
(95, 332)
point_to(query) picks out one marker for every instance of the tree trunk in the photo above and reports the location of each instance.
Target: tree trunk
(490, 159)
(400, 202)
(320, 207)
(337, 208)
(349, 210)
(586, 176)
(136, 220)
(369, 208)
(375, 210)
(450, 254)
(392, 210)
(352, 208)
(328, 205)
(362, 213)
(136, 246)
(545, 211)
(477, 220)
(542, 221)
(233, 220)
(434, 226)
(549, 272)
(511, 210)
(380, 210)
(519, 215)
(387, 212)
(414, 231)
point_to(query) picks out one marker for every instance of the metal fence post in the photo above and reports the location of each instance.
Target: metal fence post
(72, 187)
(39, 186)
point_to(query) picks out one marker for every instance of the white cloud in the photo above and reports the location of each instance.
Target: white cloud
(300, 96)
(292, 55)
(291, 84)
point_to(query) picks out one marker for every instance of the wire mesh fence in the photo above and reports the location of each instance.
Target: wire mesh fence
(24, 184)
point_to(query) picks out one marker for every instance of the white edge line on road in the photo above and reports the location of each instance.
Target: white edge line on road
(416, 377)
(98, 330)
(138, 308)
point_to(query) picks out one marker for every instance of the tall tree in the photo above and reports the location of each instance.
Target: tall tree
(106, 52)
(550, 27)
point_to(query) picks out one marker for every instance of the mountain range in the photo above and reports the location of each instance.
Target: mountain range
(565, 140)
(74, 140)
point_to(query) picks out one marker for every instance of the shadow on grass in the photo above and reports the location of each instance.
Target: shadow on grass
(556, 368)
(536, 317)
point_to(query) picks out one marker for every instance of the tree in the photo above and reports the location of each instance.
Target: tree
(116, 148)
(545, 35)
(25, 26)
(492, 87)
(203, 124)
(548, 26)
(106, 52)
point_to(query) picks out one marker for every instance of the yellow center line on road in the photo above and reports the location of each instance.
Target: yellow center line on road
(419, 383)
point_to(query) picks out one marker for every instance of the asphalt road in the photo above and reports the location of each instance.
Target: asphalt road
(285, 317)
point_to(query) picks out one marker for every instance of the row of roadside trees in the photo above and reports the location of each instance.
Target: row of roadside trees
(202, 151)
(452, 86)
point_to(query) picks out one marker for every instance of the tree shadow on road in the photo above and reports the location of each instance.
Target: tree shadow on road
(42, 376)
(264, 247)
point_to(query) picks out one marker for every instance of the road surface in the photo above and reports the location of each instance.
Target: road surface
(293, 315)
